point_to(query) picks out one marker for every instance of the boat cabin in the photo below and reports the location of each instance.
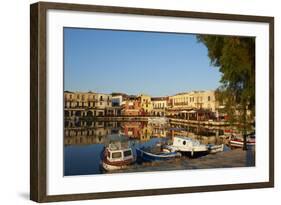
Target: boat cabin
(180, 141)
(118, 153)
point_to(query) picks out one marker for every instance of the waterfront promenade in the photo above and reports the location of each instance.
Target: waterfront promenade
(227, 159)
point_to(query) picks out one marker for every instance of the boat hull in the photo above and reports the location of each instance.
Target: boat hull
(195, 154)
(216, 148)
(108, 165)
(149, 157)
(235, 143)
(188, 151)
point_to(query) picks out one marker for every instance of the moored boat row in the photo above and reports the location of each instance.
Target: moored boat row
(118, 156)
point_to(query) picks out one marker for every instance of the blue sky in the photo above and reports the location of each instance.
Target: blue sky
(157, 64)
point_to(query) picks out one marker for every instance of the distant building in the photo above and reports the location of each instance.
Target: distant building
(131, 107)
(159, 105)
(189, 102)
(81, 104)
(117, 101)
(78, 104)
(91, 104)
(79, 99)
(146, 104)
(103, 105)
(194, 99)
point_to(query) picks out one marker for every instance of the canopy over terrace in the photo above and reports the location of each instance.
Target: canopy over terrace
(196, 114)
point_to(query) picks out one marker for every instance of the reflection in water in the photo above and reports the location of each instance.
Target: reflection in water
(84, 142)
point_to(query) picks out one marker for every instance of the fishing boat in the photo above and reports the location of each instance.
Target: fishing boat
(188, 146)
(150, 156)
(215, 148)
(237, 141)
(117, 156)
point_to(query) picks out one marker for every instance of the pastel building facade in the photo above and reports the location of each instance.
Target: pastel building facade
(81, 104)
(146, 104)
(194, 100)
(159, 105)
(131, 107)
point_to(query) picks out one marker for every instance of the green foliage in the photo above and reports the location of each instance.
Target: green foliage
(235, 57)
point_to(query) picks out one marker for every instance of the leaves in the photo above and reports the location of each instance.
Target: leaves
(235, 57)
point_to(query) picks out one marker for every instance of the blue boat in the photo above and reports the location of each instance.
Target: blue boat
(149, 157)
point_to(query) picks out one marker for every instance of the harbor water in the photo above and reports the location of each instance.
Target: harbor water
(84, 143)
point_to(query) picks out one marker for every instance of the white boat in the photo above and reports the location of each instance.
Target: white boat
(187, 145)
(215, 148)
(117, 156)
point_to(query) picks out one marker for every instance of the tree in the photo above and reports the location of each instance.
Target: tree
(235, 58)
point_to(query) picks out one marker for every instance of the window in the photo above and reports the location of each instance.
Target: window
(209, 98)
(184, 142)
(115, 155)
(127, 153)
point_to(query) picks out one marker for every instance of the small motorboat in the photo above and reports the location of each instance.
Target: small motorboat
(117, 156)
(150, 156)
(215, 148)
(188, 146)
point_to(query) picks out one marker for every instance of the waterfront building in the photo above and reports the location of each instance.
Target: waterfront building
(117, 102)
(81, 104)
(131, 106)
(190, 102)
(146, 104)
(159, 105)
(190, 105)
(103, 104)
(194, 99)
(78, 104)
(79, 99)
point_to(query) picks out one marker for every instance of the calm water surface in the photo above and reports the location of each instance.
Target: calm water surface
(84, 144)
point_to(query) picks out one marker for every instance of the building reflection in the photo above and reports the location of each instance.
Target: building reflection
(96, 132)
